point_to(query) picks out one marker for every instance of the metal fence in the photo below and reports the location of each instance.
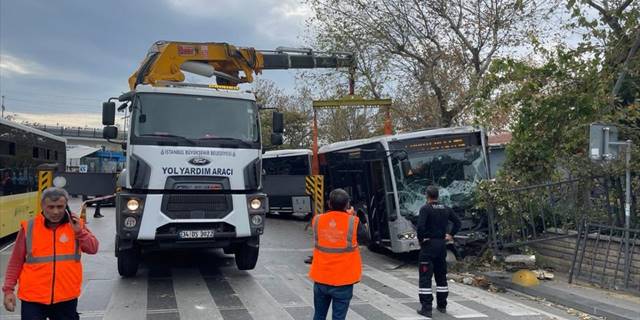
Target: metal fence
(536, 213)
(607, 256)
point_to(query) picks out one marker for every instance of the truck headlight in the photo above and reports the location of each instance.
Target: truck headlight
(133, 205)
(256, 220)
(255, 204)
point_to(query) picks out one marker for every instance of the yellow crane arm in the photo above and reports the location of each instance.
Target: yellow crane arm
(166, 60)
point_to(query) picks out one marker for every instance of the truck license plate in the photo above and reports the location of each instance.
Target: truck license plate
(195, 234)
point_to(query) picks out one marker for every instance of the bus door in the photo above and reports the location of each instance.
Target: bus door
(378, 207)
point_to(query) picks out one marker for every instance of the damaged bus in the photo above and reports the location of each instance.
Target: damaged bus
(387, 177)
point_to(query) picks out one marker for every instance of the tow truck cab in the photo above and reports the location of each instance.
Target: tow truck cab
(193, 177)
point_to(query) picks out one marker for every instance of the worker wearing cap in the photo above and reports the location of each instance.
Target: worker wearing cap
(433, 222)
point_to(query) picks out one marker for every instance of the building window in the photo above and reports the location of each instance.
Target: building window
(7, 148)
(55, 155)
(36, 152)
(48, 154)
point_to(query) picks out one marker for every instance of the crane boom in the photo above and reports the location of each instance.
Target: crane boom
(166, 60)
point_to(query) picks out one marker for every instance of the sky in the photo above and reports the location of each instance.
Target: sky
(59, 60)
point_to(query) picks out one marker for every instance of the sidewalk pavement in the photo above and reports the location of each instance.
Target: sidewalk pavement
(598, 302)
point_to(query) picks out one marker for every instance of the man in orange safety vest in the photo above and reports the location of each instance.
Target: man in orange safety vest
(336, 265)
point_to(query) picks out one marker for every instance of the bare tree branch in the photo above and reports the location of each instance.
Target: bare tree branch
(625, 65)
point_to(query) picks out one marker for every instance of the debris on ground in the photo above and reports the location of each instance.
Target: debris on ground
(520, 261)
(481, 282)
(544, 274)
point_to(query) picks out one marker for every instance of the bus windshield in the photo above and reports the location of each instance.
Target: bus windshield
(289, 165)
(455, 171)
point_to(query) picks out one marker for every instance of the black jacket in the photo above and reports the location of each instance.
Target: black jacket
(433, 221)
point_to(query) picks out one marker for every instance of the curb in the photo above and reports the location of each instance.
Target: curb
(574, 301)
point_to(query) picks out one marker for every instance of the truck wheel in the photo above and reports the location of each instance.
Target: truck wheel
(247, 254)
(128, 261)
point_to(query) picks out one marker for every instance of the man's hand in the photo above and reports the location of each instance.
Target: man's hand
(75, 223)
(448, 237)
(10, 301)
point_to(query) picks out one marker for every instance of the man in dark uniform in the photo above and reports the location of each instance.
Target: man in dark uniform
(433, 236)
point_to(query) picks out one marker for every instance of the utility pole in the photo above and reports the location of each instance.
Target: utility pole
(3, 107)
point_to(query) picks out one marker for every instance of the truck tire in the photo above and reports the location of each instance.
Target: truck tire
(247, 254)
(128, 261)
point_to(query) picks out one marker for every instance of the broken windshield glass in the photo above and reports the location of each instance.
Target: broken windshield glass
(455, 171)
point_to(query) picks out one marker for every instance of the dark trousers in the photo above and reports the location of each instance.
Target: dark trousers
(433, 263)
(57, 311)
(338, 297)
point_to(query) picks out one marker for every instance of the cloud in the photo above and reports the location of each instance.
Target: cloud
(91, 120)
(277, 20)
(10, 65)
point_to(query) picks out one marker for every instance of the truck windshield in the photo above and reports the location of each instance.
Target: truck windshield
(455, 171)
(195, 120)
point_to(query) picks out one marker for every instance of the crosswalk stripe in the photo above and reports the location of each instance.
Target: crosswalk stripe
(493, 301)
(454, 309)
(389, 306)
(129, 299)
(289, 278)
(192, 296)
(259, 302)
(496, 302)
(302, 287)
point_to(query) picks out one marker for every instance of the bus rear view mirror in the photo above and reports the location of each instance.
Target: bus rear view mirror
(110, 132)
(108, 113)
(276, 139)
(278, 122)
(406, 167)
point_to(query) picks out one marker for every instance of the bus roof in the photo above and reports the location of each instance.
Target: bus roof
(286, 153)
(32, 130)
(401, 136)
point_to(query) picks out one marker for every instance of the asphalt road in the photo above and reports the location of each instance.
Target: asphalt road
(206, 284)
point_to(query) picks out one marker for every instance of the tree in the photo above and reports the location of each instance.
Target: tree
(297, 117)
(443, 47)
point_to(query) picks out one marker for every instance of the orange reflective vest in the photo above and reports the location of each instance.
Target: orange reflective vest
(52, 271)
(336, 256)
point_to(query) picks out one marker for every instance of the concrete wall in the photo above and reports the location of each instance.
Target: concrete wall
(559, 253)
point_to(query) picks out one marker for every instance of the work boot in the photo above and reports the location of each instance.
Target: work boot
(425, 313)
(96, 213)
(308, 260)
(442, 309)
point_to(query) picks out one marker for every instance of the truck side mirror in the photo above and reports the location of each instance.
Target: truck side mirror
(110, 132)
(108, 113)
(406, 167)
(276, 139)
(278, 122)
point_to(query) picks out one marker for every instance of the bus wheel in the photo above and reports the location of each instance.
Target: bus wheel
(128, 261)
(247, 254)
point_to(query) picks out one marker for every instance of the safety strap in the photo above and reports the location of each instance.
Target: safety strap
(62, 257)
(348, 248)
